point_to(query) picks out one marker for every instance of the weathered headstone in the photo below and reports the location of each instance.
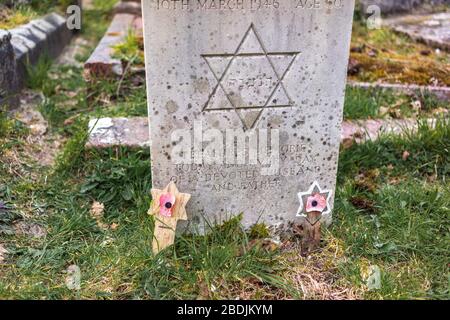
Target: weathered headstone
(245, 103)
(9, 85)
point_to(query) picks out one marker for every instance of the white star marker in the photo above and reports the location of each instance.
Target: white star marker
(313, 189)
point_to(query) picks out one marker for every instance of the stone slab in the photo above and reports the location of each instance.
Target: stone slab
(133, 132)
(101, 63)
(110, 132)
(131, 7)
(9, 84)
(364, 130)
(251, 67)
(433, 30)
(48, 35)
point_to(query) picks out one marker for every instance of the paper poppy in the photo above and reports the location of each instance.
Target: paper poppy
(316, 203)
(166, 203)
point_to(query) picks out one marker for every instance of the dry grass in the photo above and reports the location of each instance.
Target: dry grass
(317, 276)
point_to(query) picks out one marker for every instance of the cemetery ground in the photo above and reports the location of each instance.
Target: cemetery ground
(63, 205)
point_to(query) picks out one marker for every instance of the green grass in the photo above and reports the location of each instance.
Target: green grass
(37, 75)
(376, 103)
(406, 235)
(131, 50)
(390, 212)
(387, 214)
(121, 180)
(394, 213)
(429, 154)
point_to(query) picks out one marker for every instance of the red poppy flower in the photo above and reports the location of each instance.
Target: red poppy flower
(166, 203)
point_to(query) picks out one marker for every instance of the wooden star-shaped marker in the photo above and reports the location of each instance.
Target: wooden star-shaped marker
(165, 224)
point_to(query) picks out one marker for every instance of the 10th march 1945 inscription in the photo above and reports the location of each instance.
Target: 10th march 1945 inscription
(246, 4)
(255, 71)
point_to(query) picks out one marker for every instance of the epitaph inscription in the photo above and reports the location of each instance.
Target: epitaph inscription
(245, 101)
(247, 4)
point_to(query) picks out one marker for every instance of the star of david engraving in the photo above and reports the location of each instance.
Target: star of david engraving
(249, 80)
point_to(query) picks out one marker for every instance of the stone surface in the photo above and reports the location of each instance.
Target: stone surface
(396, 6)
(109, 132)
(9, 85)
(72, 51)
(101, 63)
(257, 67)
(361, 131)
(48, 35)
(433, 30)
(134, 133)
(131, 7)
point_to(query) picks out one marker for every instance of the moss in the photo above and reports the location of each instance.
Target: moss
(16, 14)
(259, 231)
(383, 55)
(10, 19)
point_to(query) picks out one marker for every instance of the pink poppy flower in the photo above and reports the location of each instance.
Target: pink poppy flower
(316, 203)
(166, 203)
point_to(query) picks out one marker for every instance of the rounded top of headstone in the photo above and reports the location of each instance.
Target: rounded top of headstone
(4, 36)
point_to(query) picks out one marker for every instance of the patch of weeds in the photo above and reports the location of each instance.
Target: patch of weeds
(11, 132)
(45, 6)
(131, 50)
(133, 104)
(373, 103)
(259, 231)
(66, 99)
(102, 91)
(37, 75)
(118, 181)
(363, 103)
(104, 5)
(10, 19)
(51, 113)
(71, 158)
(96, 20)
(5, 124)
(430, 102)
(429, 151)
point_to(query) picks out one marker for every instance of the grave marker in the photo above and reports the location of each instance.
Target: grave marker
(245, 101)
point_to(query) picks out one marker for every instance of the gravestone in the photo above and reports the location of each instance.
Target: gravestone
(245, 101)
(9, 84)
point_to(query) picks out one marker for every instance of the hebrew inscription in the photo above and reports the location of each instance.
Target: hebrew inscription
(250, 79)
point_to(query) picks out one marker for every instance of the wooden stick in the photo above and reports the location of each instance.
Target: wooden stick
(312, 232)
